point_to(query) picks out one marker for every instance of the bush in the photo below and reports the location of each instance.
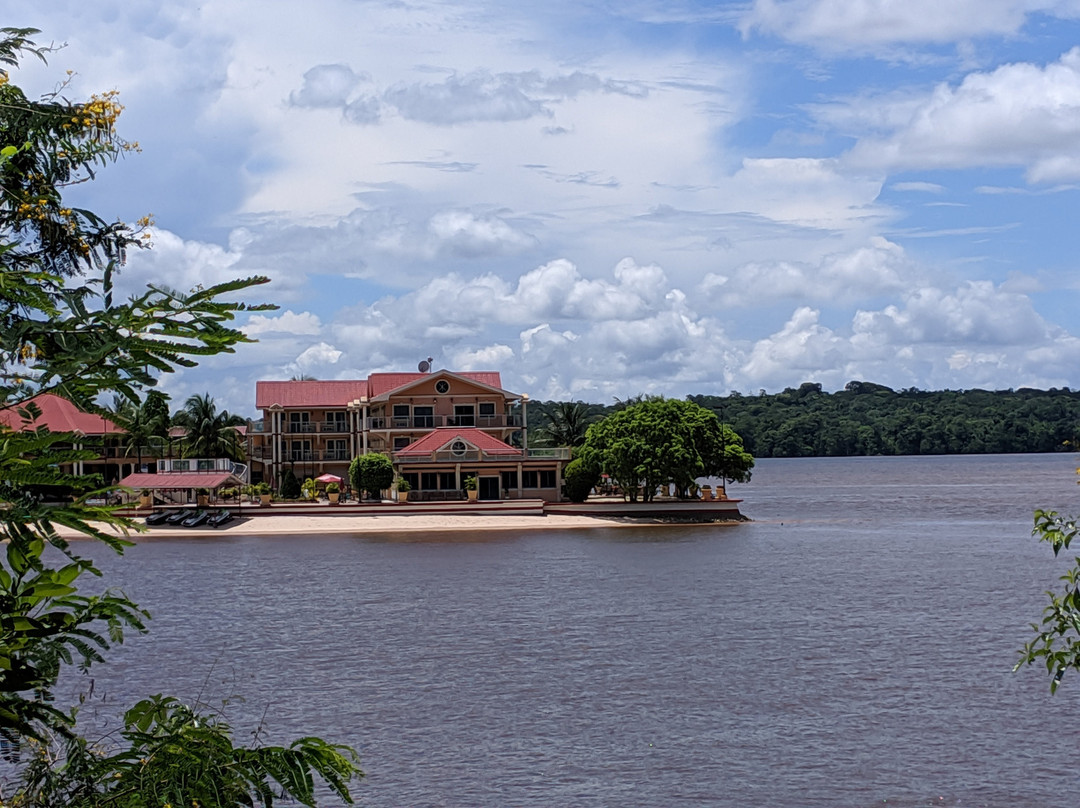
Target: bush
(261, 489)
(333, 488)
(579, 477)
(403, 484)
(290, 486)
(371, 473)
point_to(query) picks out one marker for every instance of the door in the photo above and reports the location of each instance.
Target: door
(489, 488)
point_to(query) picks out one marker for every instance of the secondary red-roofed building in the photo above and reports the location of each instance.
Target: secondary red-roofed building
(438, 428)
(91, 431)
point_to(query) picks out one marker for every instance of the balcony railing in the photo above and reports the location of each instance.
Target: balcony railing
(473, 456)
(555, 453)
(267, 453)
(436, 421)
(311, 427)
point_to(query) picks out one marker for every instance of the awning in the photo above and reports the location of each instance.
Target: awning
(210, 480)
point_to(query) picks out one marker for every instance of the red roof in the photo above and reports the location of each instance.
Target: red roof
(443, 436)
(204, 480)
(382, 383)
(308, 393)
(59, 415)
(319, 394)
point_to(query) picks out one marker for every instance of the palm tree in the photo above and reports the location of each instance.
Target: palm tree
(144, 424)
(569, 421)
(209, 433)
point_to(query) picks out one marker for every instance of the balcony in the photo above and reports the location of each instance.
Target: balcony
(472, 456)
(436, 421)
(555, 453)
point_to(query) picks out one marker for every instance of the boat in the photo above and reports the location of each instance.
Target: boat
(177, 517)
(160, 517)
(197, 518)
(220, 517)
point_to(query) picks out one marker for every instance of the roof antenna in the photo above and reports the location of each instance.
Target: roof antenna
(425, 365)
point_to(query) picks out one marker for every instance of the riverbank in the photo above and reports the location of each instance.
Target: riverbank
(290, 525)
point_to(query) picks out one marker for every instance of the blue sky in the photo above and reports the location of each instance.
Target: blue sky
(603, 199)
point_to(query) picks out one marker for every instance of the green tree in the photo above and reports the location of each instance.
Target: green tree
(579, 478)
(145, 425)
(567, 424)
(63, 331)
(289, 487)
(660, 441)
(372, 473)
(210, 432)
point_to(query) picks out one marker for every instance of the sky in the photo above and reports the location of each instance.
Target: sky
(601, 199)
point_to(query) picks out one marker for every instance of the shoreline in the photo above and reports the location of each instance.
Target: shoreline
(301, 526)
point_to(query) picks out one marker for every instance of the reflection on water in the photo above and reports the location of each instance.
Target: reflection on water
(851, 645)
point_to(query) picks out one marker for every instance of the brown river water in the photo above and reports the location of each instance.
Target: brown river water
(851, 646)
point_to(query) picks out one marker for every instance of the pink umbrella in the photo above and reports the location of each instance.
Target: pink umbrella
(328, 478)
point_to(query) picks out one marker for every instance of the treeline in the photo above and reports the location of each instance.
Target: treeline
(871, 419)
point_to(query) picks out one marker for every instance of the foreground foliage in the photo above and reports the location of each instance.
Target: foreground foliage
(1057, 639)
(64, 332)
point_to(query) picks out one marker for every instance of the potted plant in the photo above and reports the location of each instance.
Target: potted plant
(146, 498)
(310, 490)
(403, 489)
(202, 497)
(471, 487)
(333, 492)
(264, 494)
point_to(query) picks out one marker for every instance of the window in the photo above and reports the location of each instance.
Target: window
(414, 480)
(400, 443)
(429, 481)
(509, 480)
(300, 450)
(337, 450)
(401, 416)
(424, 417)
(447, 481)
(538, 479)
(181, 465)
(464, 415)
(486, 410)
(205, 465)
(459, 448)
(299, 422)
(442, 386)
(337, 422)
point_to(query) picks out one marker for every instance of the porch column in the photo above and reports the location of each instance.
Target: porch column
(364, 423)
(521, 492)
(525, 423)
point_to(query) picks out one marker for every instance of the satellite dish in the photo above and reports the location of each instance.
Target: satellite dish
(425, 365)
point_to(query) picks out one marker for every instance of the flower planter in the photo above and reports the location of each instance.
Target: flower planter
(333, 498)
(264, 500)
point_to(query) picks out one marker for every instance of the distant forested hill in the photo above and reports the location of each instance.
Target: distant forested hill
(870, 419)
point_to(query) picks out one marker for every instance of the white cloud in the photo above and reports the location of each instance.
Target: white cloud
(326, 86)
(1019, 114)
(863, 25)
(288, 322)
(877, 269)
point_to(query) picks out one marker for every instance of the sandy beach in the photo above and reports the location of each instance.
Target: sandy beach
(289, 525)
